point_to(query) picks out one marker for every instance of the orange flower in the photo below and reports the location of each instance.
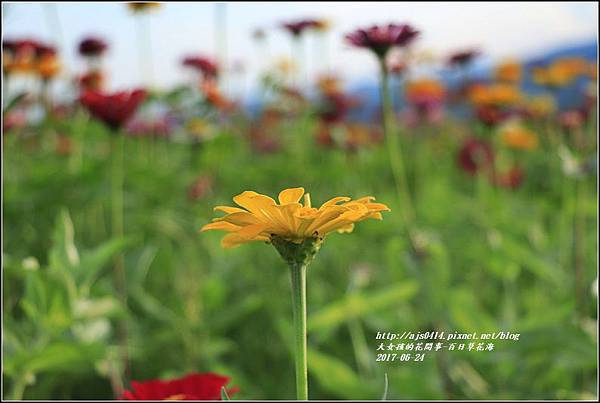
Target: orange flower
(48, 66)
(540, 106)
(509, 71)
(494, 95)
(518, 137)
(561, 72)
(425, 91)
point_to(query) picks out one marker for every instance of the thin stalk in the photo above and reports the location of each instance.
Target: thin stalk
(299, 306)
(393, 147)
(119, 280)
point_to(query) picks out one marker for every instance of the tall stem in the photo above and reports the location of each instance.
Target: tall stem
(299, 306)
(119, 281)
(393, 147)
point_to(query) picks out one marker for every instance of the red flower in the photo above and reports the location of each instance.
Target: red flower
(380, 39)
(492, 115)
(113, 109)
(92, 47)
(296, 28)
(463, 58)
(206, 66)
(205, 386)
(475, 155)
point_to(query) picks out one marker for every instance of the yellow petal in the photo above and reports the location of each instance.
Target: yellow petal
(220, 225)
(334, 201)
(292, 195)
(228, 210)
(242, 219)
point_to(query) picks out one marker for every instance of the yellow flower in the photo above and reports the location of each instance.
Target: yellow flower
(518, 137)
(509, 71)
(261, 218)
(495, 95)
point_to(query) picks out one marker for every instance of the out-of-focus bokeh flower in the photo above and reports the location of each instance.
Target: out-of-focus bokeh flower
(329, 84)
(297, 28)
(215, 97)
(257, 220)
(113, 109)
(322, 25)
(462, 58)
(142, 6)
(500, 95)
(92, 80)
(509, 71)
(48, 64)
(511, 179)
(560, 73)
(259, 34)
(380, 39)
(425, 93)
(334, 107)
(92, 46)
(206, 386)
(475, 155)
(571, 119)
(200, 188)
(200, 129)
(208, 67)
(518, 137)
(540, 106)
(23, 56)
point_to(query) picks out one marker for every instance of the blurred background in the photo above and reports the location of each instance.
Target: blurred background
(107, 280)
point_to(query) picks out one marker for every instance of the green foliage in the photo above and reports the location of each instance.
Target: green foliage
(487, 259)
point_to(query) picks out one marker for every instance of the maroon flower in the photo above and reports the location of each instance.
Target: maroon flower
(475, 155)
(113, 109)
(92, 47)
(462, 59)
(380, 39)
(204, 65)
(206, 386)
(296, 28)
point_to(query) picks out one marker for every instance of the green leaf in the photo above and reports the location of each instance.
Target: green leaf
(358, 305)
(63, 254)
(336, 377)
(93, 261)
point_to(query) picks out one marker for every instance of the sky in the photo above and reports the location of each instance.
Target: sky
(500, 30)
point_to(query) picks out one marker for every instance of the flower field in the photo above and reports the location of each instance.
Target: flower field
(149, 234)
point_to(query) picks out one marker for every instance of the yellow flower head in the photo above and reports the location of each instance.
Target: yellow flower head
(261, 218)
(518, 137)
(495, 95)
(322, 25)
(509, 71)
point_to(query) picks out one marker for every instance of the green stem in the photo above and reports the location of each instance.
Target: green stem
(393, 147)
(298, 272)
(119, 280)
